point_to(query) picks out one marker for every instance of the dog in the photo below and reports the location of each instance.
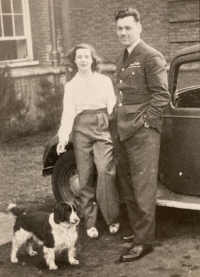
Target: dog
(56, 231)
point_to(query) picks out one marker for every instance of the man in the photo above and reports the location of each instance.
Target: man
(135, 125)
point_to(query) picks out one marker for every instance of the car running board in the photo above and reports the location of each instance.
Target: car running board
(167, 198)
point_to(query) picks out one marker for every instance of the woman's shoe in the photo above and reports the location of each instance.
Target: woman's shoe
(114, 228)
(92, 233)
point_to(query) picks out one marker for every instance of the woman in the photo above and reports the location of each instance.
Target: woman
(89, 98)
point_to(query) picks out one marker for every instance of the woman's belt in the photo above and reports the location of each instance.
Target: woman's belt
(96, 111)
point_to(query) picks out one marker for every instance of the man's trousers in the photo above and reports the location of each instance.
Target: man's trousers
(137, 159)
(93, 147)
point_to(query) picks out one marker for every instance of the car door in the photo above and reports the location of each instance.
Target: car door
(179, 167)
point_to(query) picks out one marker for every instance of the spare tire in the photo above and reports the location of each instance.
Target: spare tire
(65, 181)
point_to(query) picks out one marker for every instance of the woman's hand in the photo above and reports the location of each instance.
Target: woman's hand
(61, 147)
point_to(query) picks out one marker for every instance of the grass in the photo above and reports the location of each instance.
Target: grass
(21, 172)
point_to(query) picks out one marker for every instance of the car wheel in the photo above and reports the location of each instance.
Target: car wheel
(65, 182)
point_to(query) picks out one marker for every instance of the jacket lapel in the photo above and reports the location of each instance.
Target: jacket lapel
(120, 64)
(135, 52)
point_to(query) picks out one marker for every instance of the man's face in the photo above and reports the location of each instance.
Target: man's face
(128, 30)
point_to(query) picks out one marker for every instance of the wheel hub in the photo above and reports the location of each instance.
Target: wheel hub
(75, 185)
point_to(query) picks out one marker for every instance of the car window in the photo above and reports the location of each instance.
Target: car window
(187, 94)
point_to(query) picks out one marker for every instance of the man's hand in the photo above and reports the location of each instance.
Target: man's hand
(61, 147)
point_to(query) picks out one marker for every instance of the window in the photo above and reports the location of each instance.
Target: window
(15, 35)
(187, 94)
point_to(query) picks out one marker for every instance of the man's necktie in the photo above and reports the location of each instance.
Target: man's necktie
(125, 55)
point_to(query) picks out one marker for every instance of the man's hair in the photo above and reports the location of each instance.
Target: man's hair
(128, 12)
(71, 55)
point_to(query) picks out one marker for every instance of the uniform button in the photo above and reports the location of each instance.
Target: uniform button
(120, 104)
(133, 73)
(120, 81)
(120, 92)
(123, 69)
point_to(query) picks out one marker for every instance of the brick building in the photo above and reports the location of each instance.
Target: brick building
(168, 25)
(35, 36)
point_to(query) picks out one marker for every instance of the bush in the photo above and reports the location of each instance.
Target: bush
(10, 106)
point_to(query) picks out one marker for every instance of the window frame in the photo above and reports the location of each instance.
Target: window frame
(27, 34)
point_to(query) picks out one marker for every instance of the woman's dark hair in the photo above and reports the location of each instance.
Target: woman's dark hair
(128, 12)
(71, 55)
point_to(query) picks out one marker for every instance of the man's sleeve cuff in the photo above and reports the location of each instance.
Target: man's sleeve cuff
(153, 113)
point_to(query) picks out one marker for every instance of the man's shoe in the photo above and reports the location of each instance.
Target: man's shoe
(136, 252)
(128, 238)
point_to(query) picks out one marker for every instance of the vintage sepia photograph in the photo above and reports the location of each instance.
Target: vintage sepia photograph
(100, 138)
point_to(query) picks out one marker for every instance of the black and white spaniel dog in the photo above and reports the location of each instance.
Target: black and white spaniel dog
(55, 231)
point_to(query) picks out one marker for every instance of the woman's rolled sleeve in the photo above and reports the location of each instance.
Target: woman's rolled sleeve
(111, 99)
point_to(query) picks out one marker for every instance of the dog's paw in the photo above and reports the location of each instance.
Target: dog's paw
(53, 267)
(73, 261)
(33, 253)
(14, 260)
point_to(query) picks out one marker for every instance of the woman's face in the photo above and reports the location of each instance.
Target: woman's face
(83, 60)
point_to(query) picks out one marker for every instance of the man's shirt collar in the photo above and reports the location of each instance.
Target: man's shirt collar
(131, 47)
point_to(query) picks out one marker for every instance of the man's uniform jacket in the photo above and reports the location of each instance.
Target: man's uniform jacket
(142, 91)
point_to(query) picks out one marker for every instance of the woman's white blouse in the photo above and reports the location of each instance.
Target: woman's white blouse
(81, 94)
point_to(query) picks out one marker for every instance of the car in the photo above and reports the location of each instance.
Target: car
(179, 164)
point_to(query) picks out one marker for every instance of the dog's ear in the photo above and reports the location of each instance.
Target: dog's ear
(78, 208)
(60, 211)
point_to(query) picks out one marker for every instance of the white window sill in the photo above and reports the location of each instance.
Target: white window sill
(32, 68)
(18, 63)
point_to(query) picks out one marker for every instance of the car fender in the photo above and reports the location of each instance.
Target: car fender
(50, 155)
